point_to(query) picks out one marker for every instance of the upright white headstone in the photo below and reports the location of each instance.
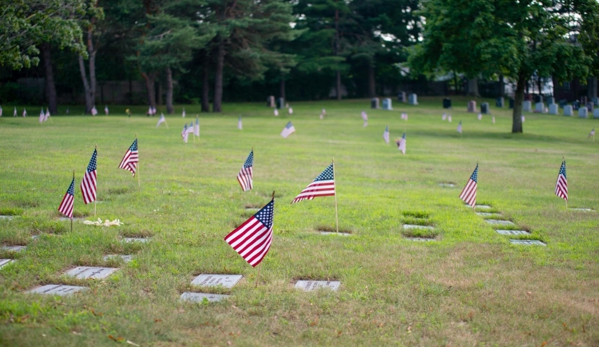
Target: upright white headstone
(387, 104)
(583, 112)
(539, 107)
(472, 106)
(413, 99)
(568, 111)
(553, 109)
(526, 106)
(596, 113)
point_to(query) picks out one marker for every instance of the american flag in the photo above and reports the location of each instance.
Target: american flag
(106, 109)
(592, 133)
(184, 133)
(323, 185)
(276, 112)
(364, 116)
(183, 113)
(47, 116)
(561, 186)
(196, 127)
(401, 144)
(15, 113)
(130, 159)
(88, 185)
(42, 115)
(239, 124)
(386, 134)
(66, 205)
(480, 116)
(94, 111)
(493, 119)
(460, 127)
(523, 119)
(468, 194)
(324, 112)
(161, 120)
(449, 118)
(24, 113)
(290, 110)
(444, 116)
(288, 130)
(245, 175)
(253, 238)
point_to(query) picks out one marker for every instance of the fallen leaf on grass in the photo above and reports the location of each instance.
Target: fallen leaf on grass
(157, 320)
(314, 323)
(117, 339)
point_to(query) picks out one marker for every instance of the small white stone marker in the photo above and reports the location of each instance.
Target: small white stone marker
(314, 285)
(415, 226)
(14, 248)
(5, 262)
(483, 207)
(528, 242)
(447, 185)
(200, 297)
(126, 258)
(499, 222)
(584, 209)
(334, 233)
(136, 239)
(487, 214)
(6, 217)
(420, 239)
(91, 272)
(56, 289)
(208, 280)
(512, 232)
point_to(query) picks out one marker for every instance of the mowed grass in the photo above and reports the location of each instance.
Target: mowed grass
(469, 287)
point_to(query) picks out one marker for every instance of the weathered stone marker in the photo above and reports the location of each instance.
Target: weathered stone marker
(528, 242)
(14, 248)
(126, 258)
(5, 262)
(416, 226)
(136, 239)
(90, 272)
(568, 111)
(553, 109)
(208, 280)
(200, 297)
(471, 106)
(387, 104)
(499, 222)
(413, 99)
(314, 285)
(583, 112)
(57, 289)
(374, 103)
(512, 232)
(526, 106)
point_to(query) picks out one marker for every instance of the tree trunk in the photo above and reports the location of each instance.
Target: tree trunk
(501, 86)
(371, 83)
(518, 98)
(282, 86)
(473, 87)
(50, 86)
(89, 86)
(554, 88)
(338, 85)
(159, 92)
(150, 78)
(206, 86)
(338, 79)
(592, 90)
(169, 91)
(218, 78)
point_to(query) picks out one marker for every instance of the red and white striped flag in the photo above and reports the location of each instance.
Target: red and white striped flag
(66, 205)
(468, 194)
(323, 185)
(245, 175)
(88, 185)
(561, 186)
(131, 158)
(253, 238)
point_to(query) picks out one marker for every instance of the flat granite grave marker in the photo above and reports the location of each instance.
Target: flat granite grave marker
(126, 257)
(209, 280)
(417, 226)
(568, 111)
(527, 242)
(553, 109)
(499, 222)
(90, 272)
(447, 185)
(583, 112)
(136, 239)
(314, 285)
(5, 262)
(413, 99)
(583, 209)
(512, 232)
(334, 233)
(200, 297)
(420, 239)
(14, 248)
(387, 104)
(482, 206)
(488, 214)
(526, 106)
(6, 217)
(57, 289)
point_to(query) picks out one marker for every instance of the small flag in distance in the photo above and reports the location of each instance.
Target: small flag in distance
(130, 159)
(252, 239)
(288, 130)
(460, 127)
(245, 175)
(386, 134)
(401, 144)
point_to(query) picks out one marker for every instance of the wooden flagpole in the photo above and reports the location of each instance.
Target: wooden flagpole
(260, 267)
(73, 203)
(336, 210)
(96, 199)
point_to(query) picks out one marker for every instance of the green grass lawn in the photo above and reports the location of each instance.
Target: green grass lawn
(468, 287)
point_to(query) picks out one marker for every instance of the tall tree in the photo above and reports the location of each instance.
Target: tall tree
(518, 38)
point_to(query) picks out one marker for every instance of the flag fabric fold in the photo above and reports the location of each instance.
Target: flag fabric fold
(130, 159)
(288, 130)
(89, 183)
(323, 185)
(245, 175)
(468, 194)
(66, 205)
(252, 239)
(561, 185)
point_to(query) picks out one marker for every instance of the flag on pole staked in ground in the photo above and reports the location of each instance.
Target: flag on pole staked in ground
(444, 116)
(15, 113)
(290, 110)
(245, 175)
(460, 127)
(47, 116)
(253, 238)
(184, 133)
(404, 116)
(592, 133)
(130, 159)
(561, 186)
(106, 109)
(196, 127)
(365, 118)
(94, 111)
(386, 134)
(449, 118)
(89, 184)
(468, 194)
(66, 205)
(239, 124)
(288, 130)
(191, 128)
(323, 185)
(42, 115)
(150, 111)
(401, 144)
(276, 112)
(324, 112)
(183, 113)
(480, 116)
(493, 119)
(161, 120)
(24, 112)
(523, 119)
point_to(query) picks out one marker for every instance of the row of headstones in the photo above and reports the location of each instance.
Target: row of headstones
(490, 217)
(276, 103)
